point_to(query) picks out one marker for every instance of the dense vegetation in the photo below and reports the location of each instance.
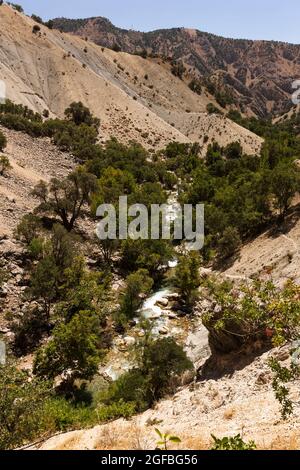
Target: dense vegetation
(76, 313)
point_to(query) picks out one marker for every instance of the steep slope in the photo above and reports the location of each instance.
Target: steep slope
(259, 74)
(237, 403)
(135, 99)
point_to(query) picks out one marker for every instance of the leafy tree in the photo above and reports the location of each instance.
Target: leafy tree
(233, 151)
(187, 278)
(138, 285)
(151, 255)
(229, 243)
(21, 406)
(66, 198)
(80, 114)
(36, 18)
(29, 330)
(49, 275)
(178, 69)
(16, 7)
(212, 109)
(113, 184)
(36, 29)
(284, 186)
(73, 352)
(259, 311)
(159, 362)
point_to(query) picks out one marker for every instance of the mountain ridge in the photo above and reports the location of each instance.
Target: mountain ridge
(258, 74)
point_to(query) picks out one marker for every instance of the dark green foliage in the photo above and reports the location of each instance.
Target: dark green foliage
(229, 243)
(178, 69)
(146, 254)
(3, 142)
(159, 362)
(187, 278)
(282, 377)
(138, 284)
(21, 407)
(232, 443)
(80, 114)
(74, 352)
(116, 47)
(16, 6)
(29, 228)
(49, 275)
(29, 329)
(37, 19)
(36, 29)
(65, 199)
(5, 165)
(196, 86)
(212, 109)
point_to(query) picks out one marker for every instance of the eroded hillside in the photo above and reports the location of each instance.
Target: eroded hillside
(136, 99)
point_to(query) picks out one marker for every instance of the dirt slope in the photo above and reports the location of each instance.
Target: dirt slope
(136, 99)
(259, 74)
(242, 402)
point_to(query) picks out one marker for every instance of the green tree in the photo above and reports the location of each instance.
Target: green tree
(187, 278)
(284, 186)
(66, 198)
(159, 362)
(74, 352)
(80, 114)
(229, 243)
(49, 276)
(21, 406)
(138, 285)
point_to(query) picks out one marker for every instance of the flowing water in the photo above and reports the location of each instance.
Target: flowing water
(188, 332)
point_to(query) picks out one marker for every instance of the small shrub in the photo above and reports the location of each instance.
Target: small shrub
(232, 443)
(3, 142)
(36, 29)
(116, 410)
(4, 165)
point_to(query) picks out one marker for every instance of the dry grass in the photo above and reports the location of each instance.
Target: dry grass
(229, 413)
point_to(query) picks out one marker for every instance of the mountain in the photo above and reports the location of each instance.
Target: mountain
(135, 99)
(257, 74)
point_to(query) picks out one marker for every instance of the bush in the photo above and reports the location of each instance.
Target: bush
(4, 165)
(229, 243)
(36, 29)
(61, 415)
(37, 19)
(3, 142)
(115, 411)
(159, 363)
(74, 352)
(258, 311)
(66, 198)
(187, 278)
(29, 228)
(232, 443)
(138, 285)
(21, 407)
(17, 7)
(212, 109)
